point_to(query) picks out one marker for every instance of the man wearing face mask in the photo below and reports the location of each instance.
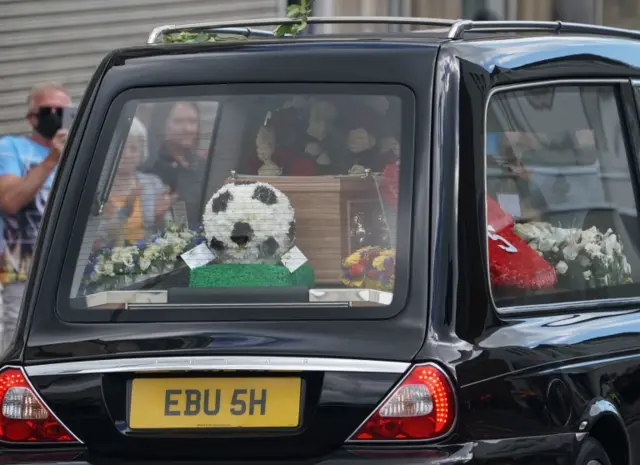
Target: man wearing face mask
(27, 168)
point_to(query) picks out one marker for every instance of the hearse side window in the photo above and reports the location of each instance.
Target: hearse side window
(287, 198)
(561, 210)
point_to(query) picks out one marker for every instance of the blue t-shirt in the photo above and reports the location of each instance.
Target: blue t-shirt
(18, 155)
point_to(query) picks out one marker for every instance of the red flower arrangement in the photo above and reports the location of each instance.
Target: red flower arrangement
(389, 185)
(511, 261)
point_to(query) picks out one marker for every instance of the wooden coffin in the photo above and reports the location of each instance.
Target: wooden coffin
(324, 207)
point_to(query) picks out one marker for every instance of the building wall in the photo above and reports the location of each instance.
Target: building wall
(64, 40)
(619, 13)
(450, 9)
(622, 13)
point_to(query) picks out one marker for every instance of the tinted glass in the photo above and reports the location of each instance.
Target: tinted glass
(247, 198)
(561, 201)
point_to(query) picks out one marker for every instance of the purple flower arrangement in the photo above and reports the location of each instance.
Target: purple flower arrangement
(370, 268)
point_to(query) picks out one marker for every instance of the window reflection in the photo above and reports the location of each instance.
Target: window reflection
(559, 184)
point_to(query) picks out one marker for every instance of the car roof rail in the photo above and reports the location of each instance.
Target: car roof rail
(456, 31)
(460, 27)
(247, 27)
(158, 33)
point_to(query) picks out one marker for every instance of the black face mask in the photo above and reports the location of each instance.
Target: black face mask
(49, 121)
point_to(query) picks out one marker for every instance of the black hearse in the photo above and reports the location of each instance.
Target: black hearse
(420, 247)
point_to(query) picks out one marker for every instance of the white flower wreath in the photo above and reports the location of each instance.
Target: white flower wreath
(597, 257)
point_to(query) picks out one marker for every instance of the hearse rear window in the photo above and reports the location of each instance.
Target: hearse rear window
(561, 200)
(270, 199)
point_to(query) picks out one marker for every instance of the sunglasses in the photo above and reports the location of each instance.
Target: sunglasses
(46, 111)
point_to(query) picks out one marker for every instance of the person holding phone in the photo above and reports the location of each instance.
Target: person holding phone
(27, 169)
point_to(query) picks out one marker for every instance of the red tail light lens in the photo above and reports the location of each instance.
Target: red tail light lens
(421, 407)
(24, 416)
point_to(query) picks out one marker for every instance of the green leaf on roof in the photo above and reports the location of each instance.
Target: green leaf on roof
(298, 12)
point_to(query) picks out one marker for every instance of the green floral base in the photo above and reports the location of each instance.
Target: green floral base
(250, 275)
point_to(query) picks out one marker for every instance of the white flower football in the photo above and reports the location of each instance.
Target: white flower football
(249, 222)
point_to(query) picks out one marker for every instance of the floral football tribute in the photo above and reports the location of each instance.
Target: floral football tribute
(249, 222)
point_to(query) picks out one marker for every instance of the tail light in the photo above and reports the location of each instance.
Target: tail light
(24, 417)
(420, 407)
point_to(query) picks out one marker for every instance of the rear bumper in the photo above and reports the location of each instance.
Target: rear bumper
(555, 449)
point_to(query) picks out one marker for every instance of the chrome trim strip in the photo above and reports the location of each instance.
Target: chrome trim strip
(212, 363)
(41, 400)
(337, 298)
(244, 306)
(561, 306)
(351, 439)
(570, 306)
(589, 364)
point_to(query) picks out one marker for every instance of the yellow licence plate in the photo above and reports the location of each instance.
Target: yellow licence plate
(189, 403)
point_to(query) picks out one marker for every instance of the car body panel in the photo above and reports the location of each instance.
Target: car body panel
(558, 449)
(94, 405)
(52, 339)
(528, 384)
(518, 362)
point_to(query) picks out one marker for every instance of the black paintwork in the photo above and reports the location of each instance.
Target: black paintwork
(300, 63)
(555, 449)
(334, 406)
(525, 382)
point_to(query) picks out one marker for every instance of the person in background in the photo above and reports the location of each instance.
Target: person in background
(139, 202)
(514, 190)
(174, 158)
(27, 169)
(2, 249)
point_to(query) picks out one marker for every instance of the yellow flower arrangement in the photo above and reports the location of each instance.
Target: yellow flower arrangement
(370, 268)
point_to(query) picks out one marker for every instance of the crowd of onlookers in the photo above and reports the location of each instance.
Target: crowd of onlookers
(156, 178)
